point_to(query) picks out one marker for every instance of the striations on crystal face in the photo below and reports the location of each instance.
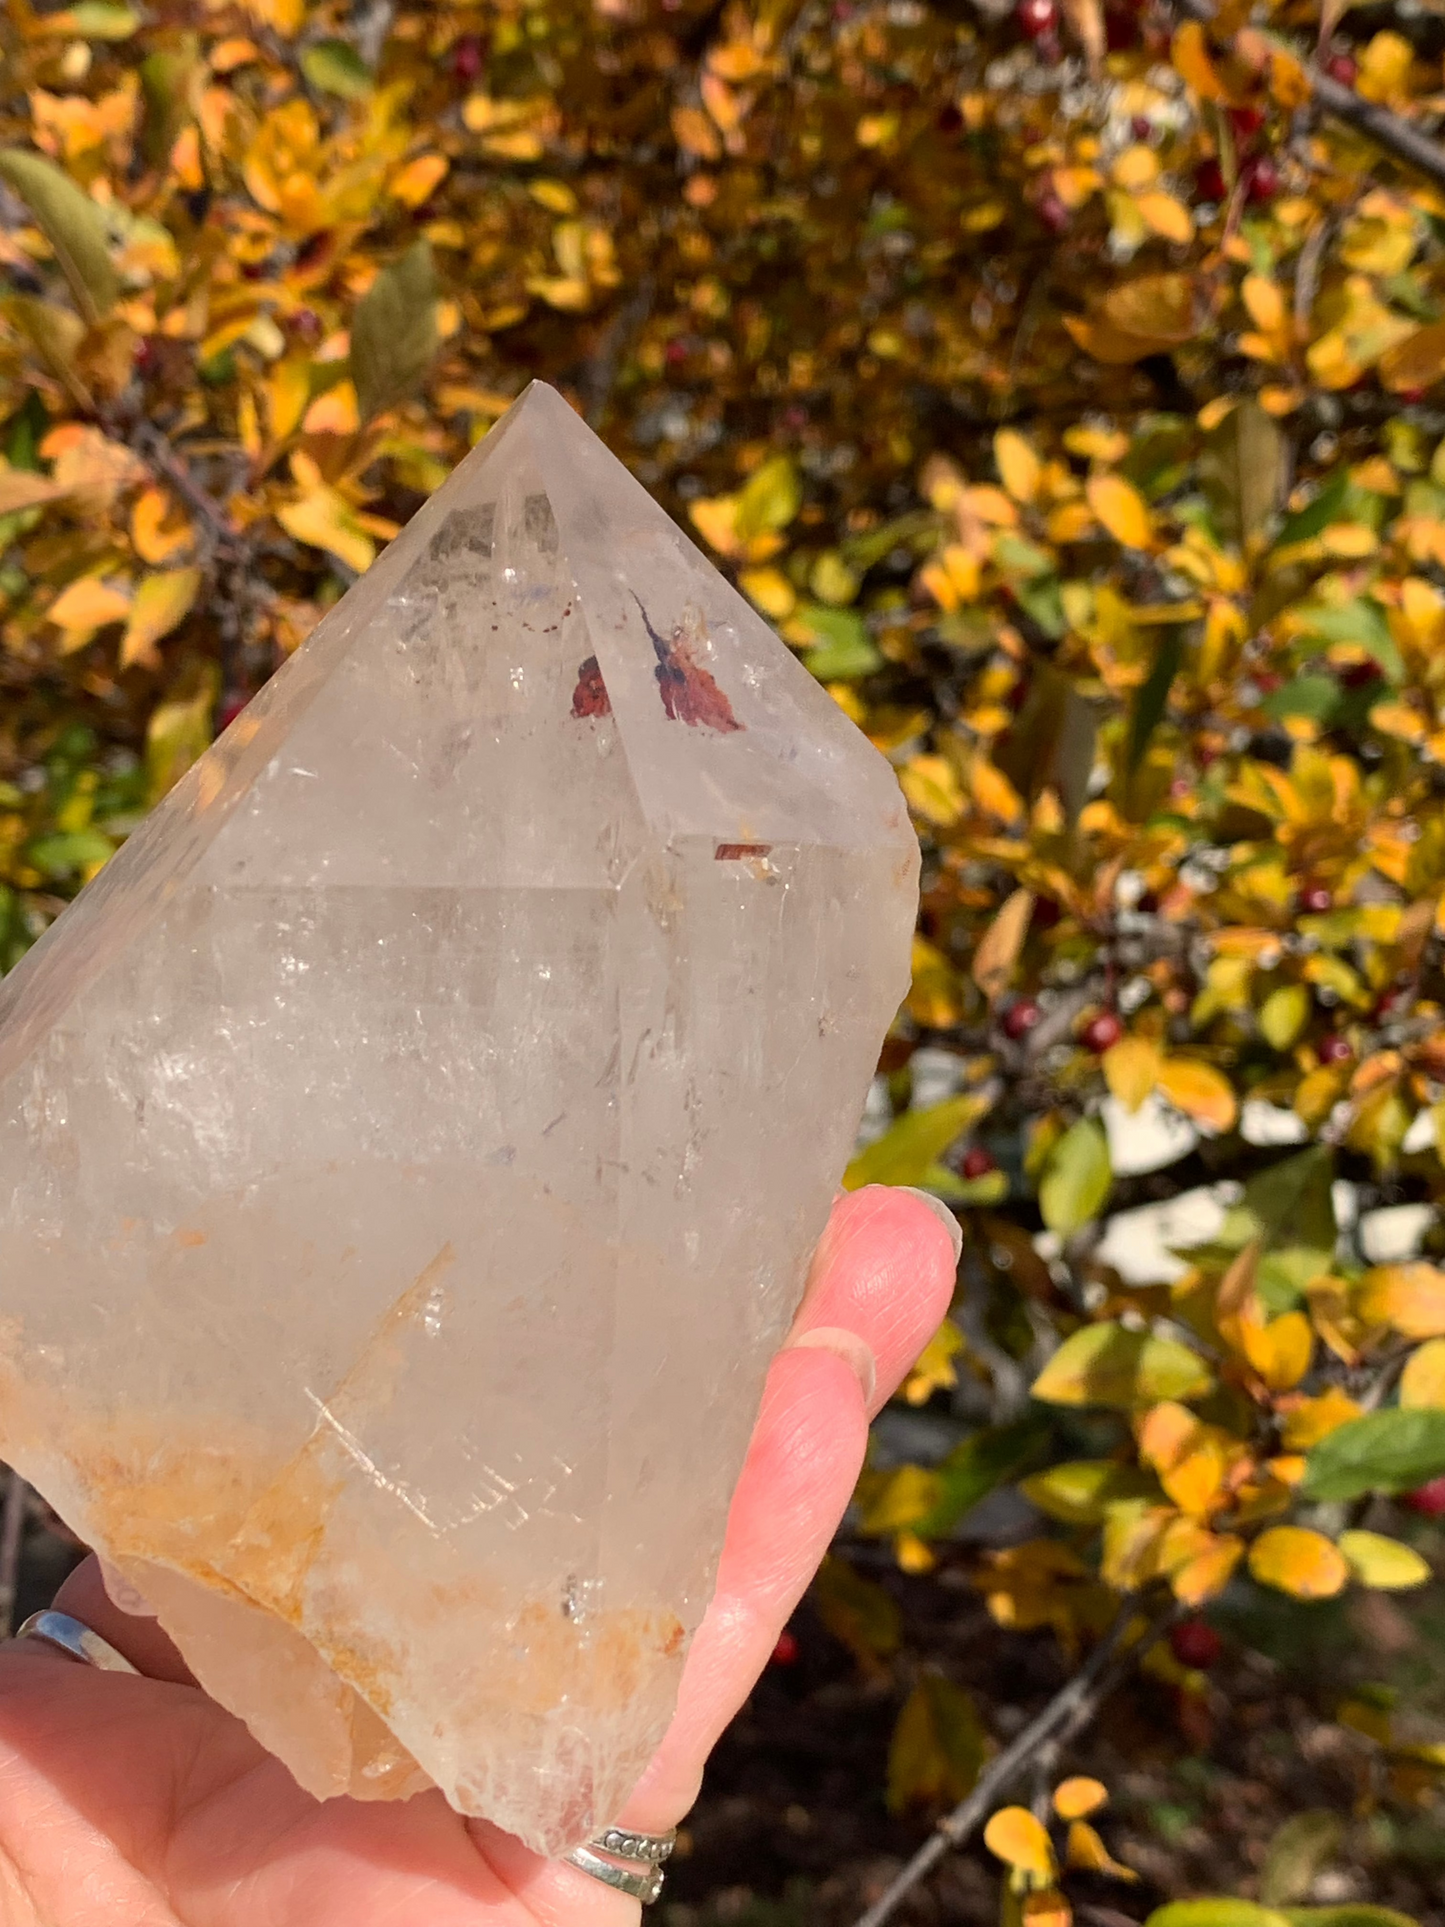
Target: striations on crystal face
(415, 1137)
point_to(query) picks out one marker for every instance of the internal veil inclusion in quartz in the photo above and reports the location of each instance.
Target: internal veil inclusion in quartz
(415, 1137)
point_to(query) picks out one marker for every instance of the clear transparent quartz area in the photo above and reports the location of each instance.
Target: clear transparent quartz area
(415, 1137)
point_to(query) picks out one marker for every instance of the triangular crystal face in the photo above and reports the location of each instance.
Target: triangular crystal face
(416, 1135)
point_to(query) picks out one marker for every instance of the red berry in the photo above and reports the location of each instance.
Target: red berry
(1195, 1643)
(1342, 67)
(1334, 1049)
(467, 58)
(786, 1652)
(1101, 1033)
(1209, 181)
(1263, 183)
(1267, 681)
(1038, 17)
(977, 1163)
(1046, 913)
(144, 358)
(1315, 899)
(1391, 999)
(1428, 1499)
(1141, 127)
(1020, 1017)
(675, 353)
(1359, 675)
(1246, 122)
(307, 323)
(234, 701)
(1052, 212)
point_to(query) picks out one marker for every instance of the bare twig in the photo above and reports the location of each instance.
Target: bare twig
(12, 1533)
(1071, 1708)
(1367, 117)
(600, 376)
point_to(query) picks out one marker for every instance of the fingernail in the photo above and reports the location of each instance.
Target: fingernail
(848, 1346)
(944, 1216)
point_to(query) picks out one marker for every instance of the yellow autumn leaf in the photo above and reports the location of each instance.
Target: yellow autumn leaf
(1409, 1298)
(1207, 1569)
(1279, 1351)
(1079, 1796)
(1122, 510)
(1165, 216)
(1422, 1383)
(1085, 1849)
(994, 792)
(1131, 1069)
(1192, 62)
(1313, 1419)
(161, 602)
(88, 605)
(1014, 1836)
(1201, 1092)
(999, 947)
(1018, 466)
(418, 180)
(933, 789)
(770, 590)
(1383, 1564)
(157, 529)
(327, 521)
(1298, 1561)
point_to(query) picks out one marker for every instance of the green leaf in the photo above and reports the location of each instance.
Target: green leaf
(97, 20)
(72, 224)
(907, 1149)
(1215, 1913)
(1107, 1364)
(1077, 1492)
(180, 729)
(1316, 516)
(1284, 1014)
(1077, 1178)
(69, 852)
(1153, 697)
(1242, 471)
(769, 499)
(1361, 621)
(844, 650)
(1315, 696)
(394, 333)
(857, 1612)
(979, 1465)
(1390, 1451)
(1297, 1852)
(938, 1747)
(1289, 1203)
(335, 67)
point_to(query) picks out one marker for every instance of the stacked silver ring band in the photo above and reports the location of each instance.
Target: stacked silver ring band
(630, 1862)
(648, 1851)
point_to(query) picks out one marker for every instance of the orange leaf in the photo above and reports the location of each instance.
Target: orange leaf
(1411, 1298)
(153, 533)
(1047, 1909)
(418, 180)
(1014, 1836)
(1076, 1797)
(1279, 1351)
(88, 604)
(1086, 1849)
(1122, 510)
(994, 791)
(998, 950)
(1295, 1560)
(1208, 1569)
(1200, 1091)
(1192, 62)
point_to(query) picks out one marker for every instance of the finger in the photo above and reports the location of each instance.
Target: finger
(805, 1457)
(884, 1269)
(140, 1640)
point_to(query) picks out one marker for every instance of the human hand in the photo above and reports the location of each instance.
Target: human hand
(130, 1802)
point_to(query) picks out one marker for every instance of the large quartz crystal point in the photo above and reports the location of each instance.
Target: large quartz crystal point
(415, 1137)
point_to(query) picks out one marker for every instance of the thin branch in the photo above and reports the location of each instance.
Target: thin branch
(12, 1534)
(156, 452)
(1367, 117)
(1071, 1708)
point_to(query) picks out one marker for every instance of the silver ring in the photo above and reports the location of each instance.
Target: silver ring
(73, 1636)
(625, 1845)
(643, 1883)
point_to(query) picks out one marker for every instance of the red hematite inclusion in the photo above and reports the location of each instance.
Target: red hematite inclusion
(589, 698)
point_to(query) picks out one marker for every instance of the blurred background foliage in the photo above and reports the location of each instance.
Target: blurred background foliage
(1066, 385)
